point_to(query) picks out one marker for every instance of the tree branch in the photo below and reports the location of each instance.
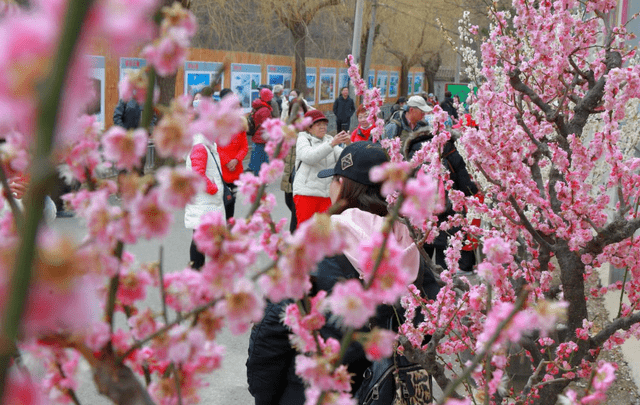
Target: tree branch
(557, 119)
(590, 101)
(618, 324)
(616, 231)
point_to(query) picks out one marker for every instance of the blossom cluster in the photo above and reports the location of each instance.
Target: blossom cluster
(543, 213)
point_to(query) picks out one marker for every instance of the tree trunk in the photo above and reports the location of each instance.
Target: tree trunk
(167, 87)
(431, 67)
(430, 81)
(404, 78)
(299, 33)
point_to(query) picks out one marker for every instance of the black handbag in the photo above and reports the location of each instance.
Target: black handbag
(228, 198)
(395, 381)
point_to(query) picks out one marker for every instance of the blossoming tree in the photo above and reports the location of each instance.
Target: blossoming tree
(550, 71)
(556, 101)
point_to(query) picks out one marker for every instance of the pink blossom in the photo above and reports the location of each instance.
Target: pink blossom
(272, 171)
(313, 240)
(134, 86)
(171, 138)
(273, 129)
(595, 398)
(422, 198)
(304, 326)
(458, 402)
(379, 344)
(20, 389)
(133, 285)
(124, 24)
(391, 278)
(186, 290)
(149, 215)
(98, 336)
(241, 307)
(211, 233)
(248, 185)
(392, 175)
(123, 147)
(177, 17)
(605, 375)
(178, 185)
(142, 324)
(220, 121)
(169, 52)
(497, 250)
(351, 302)
(318, 372)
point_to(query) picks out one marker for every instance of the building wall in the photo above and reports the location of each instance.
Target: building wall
(112, 71)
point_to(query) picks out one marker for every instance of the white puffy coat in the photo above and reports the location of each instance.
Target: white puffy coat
(312, 156)
(204, 202)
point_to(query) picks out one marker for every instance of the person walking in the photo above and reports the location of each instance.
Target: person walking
(261, 112)
(315, 151)
(343, 108)
(204, 160)
(231, 156)
(286, 183)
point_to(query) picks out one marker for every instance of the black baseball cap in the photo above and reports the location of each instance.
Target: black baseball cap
(356, 160)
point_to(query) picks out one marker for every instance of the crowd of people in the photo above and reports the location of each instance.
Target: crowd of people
(321, 170)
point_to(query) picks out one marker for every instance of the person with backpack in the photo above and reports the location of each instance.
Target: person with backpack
(261, 111)
(462, 181)
(403, 123)
(363, 132)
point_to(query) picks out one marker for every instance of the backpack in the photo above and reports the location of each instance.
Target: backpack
(251, 124)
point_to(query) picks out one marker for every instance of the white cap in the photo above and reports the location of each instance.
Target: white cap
(418, 102)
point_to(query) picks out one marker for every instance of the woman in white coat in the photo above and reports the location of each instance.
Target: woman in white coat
(204, 160)
(315, 151)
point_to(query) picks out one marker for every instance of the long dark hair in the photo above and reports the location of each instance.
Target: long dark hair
(362, 196)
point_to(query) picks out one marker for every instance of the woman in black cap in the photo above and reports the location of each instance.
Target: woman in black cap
(361, 210)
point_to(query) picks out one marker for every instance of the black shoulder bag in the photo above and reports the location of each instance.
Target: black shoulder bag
(395, 381)
(227, 197)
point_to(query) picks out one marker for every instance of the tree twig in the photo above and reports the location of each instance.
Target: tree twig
(42, 174)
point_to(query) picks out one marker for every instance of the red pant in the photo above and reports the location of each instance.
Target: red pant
(307, 205)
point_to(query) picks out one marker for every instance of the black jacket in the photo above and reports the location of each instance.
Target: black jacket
(271, 363)
(127, 114)
(447, 105)
(343, 108)
(458, 173)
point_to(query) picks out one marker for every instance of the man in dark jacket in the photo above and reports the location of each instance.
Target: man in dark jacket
(462, 181)
(447, 105)
(127, 114)
(343, 108)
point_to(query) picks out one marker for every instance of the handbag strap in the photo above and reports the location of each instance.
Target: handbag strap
(216, 162)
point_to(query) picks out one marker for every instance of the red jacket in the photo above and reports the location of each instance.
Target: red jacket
(261, 112)
(199, 157)
(360, 134)
(236, 149)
